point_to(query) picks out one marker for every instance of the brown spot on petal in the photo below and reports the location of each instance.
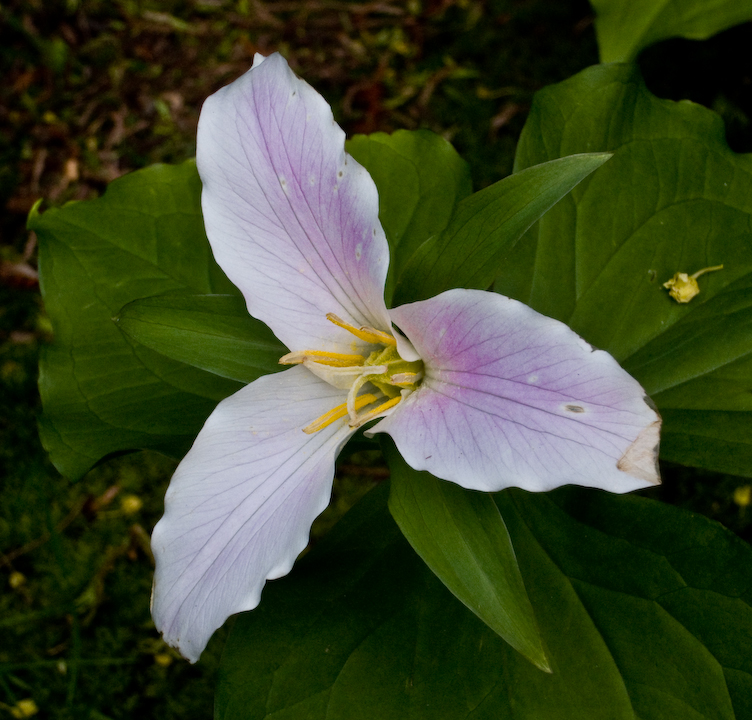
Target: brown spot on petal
(574, 408)
(641, 458)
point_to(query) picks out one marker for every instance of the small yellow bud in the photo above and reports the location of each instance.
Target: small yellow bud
(683, 287)
(24, 709)
(131, 504)
(163, 659)
(743, 495)
(16, 579)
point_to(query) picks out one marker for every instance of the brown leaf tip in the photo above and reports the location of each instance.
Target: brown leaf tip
(641, 458)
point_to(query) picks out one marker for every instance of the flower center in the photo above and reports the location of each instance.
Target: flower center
(383, 376)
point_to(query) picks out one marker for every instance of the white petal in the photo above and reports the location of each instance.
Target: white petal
(291, 218)
(240, 505)
(513, 398)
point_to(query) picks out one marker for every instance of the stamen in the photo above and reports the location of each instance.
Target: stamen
(322, 357)
(706, 270)
(336, 413)
(369, 334)
(376, 411)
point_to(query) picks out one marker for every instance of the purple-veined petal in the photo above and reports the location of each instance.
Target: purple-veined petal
(240, 505)
(292, 219)
(513, 398)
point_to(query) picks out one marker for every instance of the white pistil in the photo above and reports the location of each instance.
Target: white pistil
(405, 379)
(355, 389)
(342, 377)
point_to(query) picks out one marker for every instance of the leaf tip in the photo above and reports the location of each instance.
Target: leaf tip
(536, 655)
(33, 214)
(544, 665)
(599, 158)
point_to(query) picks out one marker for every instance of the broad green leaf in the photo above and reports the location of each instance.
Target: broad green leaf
(473, 249)
(211, 332)
(420, 178)
(645, 611)
(669, 592)
(674, 198)
(461, 536)
(101, 392)
(720, 440)
(624, 27)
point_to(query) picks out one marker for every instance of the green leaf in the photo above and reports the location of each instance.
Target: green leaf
(461, 536)
(420, 178)
(645, 611)
(668, 591)
(101, 392)
(624, 27)
(211, 332)
(674, 198)
(473, 249)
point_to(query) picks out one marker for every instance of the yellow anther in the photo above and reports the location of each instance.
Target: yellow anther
(338, 412)
(322, 357)
(371, 414)
(369, 334)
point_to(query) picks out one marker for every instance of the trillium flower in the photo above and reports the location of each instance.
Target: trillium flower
(476, 388)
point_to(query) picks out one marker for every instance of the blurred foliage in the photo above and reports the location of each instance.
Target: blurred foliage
(93, 89)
